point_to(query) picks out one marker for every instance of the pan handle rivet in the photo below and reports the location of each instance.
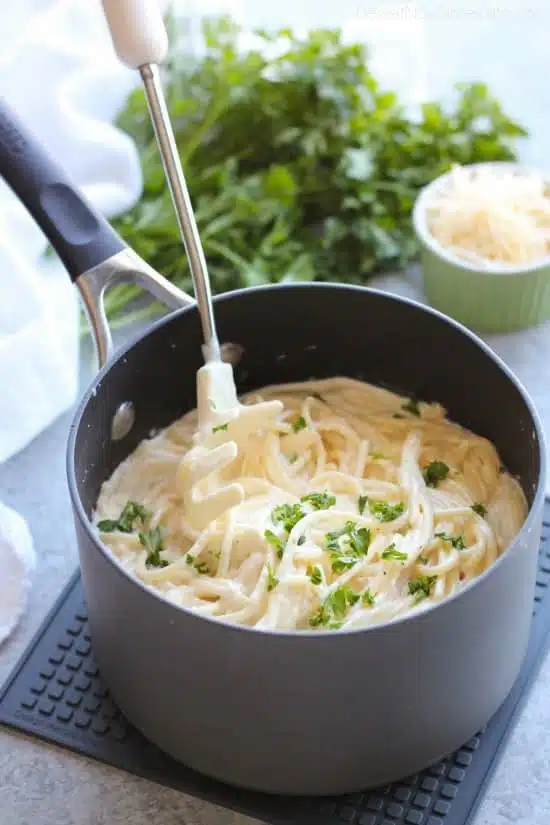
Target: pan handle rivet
(123, 421)
(231, 353)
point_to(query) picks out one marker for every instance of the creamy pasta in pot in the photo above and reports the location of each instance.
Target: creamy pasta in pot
(354, 506)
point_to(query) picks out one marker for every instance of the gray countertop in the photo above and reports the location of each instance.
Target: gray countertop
(41, 784)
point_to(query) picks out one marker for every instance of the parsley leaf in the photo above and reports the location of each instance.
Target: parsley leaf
(132, 512)
(479, 508)
(288, 514)
(220, 427)
(154, 544)
(435, 472)
(319, 501)
(411, 406)
(386, 512)
(392, 554)
(361, 502)
(335, 608)
(315, 574)
(107, 525)
(272, 580)
(200, 566)
(457, 542)
(276, 541)
(421, 587)
(347, 546)
(368, 598)
(299, 424)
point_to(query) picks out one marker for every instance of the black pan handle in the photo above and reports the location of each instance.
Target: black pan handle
(93, 254)
(79, 234)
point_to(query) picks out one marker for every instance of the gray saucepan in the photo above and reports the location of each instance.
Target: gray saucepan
(303, 713)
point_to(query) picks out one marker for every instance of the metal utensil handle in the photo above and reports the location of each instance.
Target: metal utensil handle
(93, 254)
(140, 41)
(183, 206)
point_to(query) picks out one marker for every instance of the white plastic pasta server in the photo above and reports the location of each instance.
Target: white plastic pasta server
(141, 42)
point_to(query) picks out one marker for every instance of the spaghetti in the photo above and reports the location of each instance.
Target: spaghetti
(358, 506)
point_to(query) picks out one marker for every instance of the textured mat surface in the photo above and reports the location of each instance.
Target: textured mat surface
(56, 693)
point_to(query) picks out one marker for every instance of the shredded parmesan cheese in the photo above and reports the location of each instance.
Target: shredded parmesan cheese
(492, 214)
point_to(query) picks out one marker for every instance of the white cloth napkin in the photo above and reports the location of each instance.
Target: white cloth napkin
(58, 70)
(18, 559)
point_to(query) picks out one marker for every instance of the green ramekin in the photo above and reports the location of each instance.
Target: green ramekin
(485, 300)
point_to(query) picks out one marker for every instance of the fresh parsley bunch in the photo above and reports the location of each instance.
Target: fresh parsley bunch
(299, 165)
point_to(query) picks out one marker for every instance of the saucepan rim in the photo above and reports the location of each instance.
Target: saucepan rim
(303, 634)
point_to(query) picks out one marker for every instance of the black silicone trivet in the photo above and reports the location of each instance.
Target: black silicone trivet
(56, 693)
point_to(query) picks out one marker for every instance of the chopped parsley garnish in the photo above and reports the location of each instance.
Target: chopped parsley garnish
(108, 525)
(272, 580)
(131, 512)
(292, 458)
(457, 541)
(386, 512)
(335, 608)
(376, 456)
(392, 554)
(288, 514)
(219, 428)
(435, 472)
(347, 546)
(368, 598)
(398, 415)
(154, 544)
(299, 424)
(423, 560)
(315, 574)
(479, 508)
(199, 566)
(421, 586)
(411, 406)
(319, 501)
(276, 541)
(361, 503)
